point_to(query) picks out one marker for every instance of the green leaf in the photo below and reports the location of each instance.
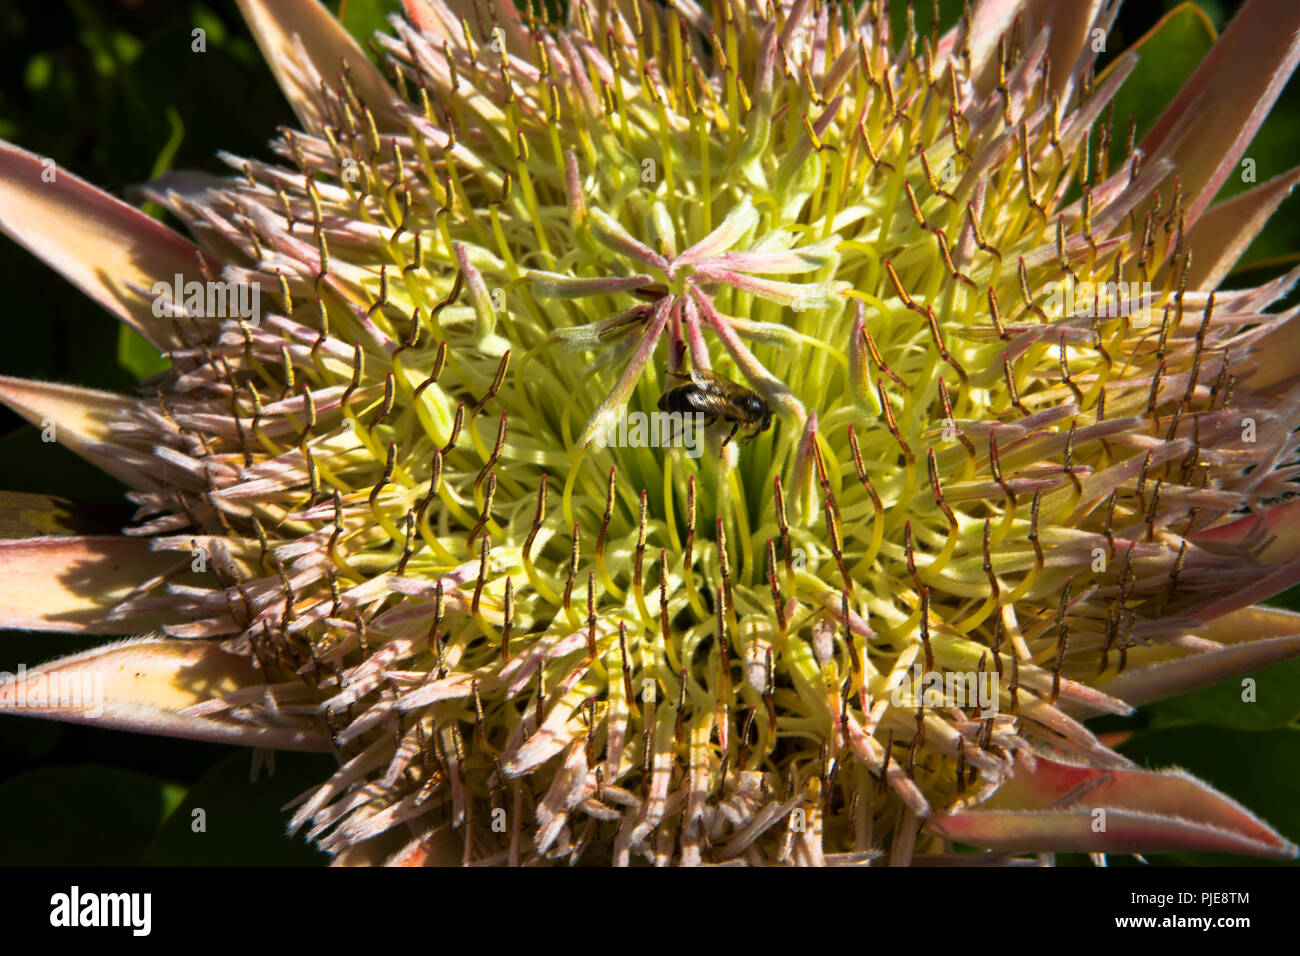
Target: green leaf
(949, 16)
(207, 21)
(166, 156)
(243, 822)
(29, 740)
(88, 816)
(26, 515)
(31, 465)
(1167, 57)
(137, 356)
(362, 18)
(1276, 703)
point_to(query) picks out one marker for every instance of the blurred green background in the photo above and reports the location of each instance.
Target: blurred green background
(112, 91)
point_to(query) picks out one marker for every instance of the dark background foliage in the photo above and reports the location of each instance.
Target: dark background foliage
(112, 91)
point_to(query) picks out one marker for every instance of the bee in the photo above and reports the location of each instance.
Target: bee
(713, 396)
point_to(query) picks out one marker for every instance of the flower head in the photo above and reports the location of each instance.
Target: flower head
(1024, 461)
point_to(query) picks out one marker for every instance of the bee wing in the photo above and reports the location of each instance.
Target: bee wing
(677, 395)
(722, 407)
(700, 400)
(712, 383)
(711, 394)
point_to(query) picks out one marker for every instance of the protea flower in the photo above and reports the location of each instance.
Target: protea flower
(1018, 440)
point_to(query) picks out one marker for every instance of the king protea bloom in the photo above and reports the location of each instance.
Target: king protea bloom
(1019, 443)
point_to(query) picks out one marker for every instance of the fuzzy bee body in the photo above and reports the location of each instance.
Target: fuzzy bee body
(715, 397)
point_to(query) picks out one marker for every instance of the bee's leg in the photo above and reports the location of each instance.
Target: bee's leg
(732, 434)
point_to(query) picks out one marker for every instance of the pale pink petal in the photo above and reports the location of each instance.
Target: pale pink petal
(1253, 636)
(100, 244)
(78, 419)
(735, 226)
(1073, 29)
(1127, 831)
(1278, 528)
(72, 583)
(1050, 804)
(1224, 231)
(1040, 781)
(440, 848)
(1253, 624)
(1168, 678)
(773, 389)
(431, 17)
(1069, 45)
(146, 685)
(797, 295)
(989, 20)
(1271, 357)
(1271, 585)
(275, 23)
(609, 231)
(785, 261)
